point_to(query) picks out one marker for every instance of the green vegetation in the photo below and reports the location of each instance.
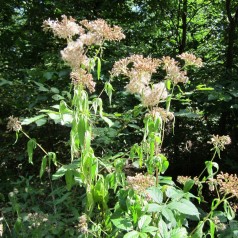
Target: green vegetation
(119, 121)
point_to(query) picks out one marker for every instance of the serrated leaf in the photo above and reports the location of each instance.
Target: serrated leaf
(185, 207)
(155, 194)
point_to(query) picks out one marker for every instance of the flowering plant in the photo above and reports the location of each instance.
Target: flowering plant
(146, 204)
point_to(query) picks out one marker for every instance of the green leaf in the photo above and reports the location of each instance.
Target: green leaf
(185, 207)
(155, 194)
(169, 216)
(122, 223)
(31, 145)
(41, 122)
(69, 179)
(209, 166)
(150, 229)
(41, 88)
(230, 214)
(59, 173)
(4, 81)
(30, 120)
(144, 221)
(202, 87)
(98, 67)
(163, 229)
(62, 198)
(168, 84)
(199, 230)
(179, 233)
(154, 207)
(43, 165)
(108, 89)
(188, 185)
(108, 121)
(52, 157)
(185, 113)
(100, 192)
(132, 234)
(54, 90)
(212, 228)
(57, 97)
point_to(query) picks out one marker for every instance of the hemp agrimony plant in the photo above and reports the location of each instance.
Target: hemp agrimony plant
(147, 204)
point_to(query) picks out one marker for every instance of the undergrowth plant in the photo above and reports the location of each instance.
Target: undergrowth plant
(99, 198)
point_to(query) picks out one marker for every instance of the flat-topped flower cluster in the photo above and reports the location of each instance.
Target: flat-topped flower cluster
(139, 70)
(75, 54)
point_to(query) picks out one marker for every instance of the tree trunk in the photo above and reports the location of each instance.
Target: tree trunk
(233, 21)
(184, 27)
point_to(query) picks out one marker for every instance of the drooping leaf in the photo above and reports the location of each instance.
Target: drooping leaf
(43, 165)
(69, 179)
(31, 145)
(108, 89)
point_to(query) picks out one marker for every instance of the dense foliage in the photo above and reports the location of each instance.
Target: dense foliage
(112, 123)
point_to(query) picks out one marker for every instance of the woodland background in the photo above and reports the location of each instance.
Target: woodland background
(33, 76)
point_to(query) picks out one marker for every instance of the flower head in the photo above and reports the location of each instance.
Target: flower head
(228, 184)
(191, 59)
(220, 141)
(174, 73)
(81, 77)
(13, 124)
(183, 179)
(99, 31)
(140, 182)
(158, 111)
(152, 96)
(82, 225)
(64, 29)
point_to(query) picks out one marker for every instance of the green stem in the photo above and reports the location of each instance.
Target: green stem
(213, 157)
(49, 174)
